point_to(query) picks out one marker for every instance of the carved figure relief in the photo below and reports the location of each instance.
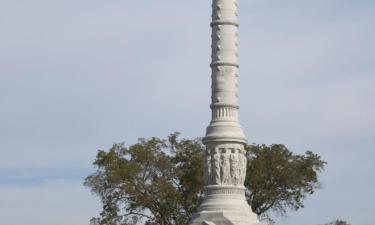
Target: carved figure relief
(225, 168)
(216, 179)
(243, 165)
(226, 165)
(207, 168)
(234, 167)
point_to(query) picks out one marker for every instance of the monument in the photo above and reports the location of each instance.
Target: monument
(225, 160)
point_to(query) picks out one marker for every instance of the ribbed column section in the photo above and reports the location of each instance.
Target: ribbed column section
(224, 159)
(224, 125)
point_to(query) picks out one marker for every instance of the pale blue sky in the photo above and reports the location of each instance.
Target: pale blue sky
(79, 75)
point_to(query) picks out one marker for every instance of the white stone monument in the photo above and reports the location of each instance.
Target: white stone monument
(225, 161)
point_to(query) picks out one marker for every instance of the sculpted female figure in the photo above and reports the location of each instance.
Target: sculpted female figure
(243, 165)
(207, 168)
(234, 167)
(225, 168)
(216, 167)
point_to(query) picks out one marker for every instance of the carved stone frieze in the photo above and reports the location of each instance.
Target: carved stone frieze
(225, 165)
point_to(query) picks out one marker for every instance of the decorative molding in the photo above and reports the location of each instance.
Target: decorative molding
(222, 22)
(225, 191)
(221, 63)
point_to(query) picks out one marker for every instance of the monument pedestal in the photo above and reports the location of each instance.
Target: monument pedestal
(224, 205)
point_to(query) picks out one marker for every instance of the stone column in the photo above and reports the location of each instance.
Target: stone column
(225, 160)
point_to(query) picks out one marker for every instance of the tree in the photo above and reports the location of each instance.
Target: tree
(160, 182)
(338, 222)
(95, 221)
(278, 180)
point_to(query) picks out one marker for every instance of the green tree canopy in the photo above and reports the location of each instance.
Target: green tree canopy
(160, 181)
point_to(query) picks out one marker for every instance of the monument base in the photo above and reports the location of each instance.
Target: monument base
(224, 205)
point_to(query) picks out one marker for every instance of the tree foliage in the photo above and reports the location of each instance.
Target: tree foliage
(160, 182)
(276, 179)
(338, 222)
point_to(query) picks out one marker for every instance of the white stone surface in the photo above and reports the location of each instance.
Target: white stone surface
(225, 161)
